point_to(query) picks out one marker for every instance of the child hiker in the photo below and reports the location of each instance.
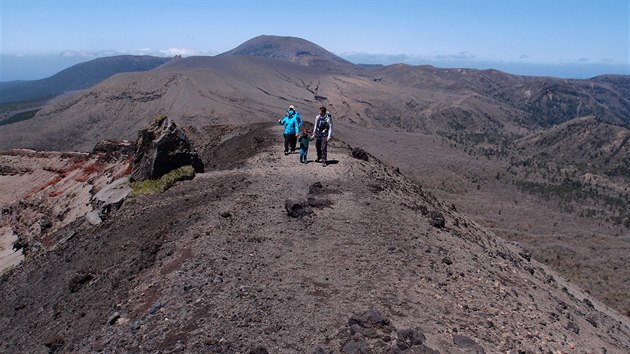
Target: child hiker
(304, 140)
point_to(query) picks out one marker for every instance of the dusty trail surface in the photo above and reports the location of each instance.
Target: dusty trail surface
(216, 265)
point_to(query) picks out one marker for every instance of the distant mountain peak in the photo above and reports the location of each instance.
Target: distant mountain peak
(292, 49)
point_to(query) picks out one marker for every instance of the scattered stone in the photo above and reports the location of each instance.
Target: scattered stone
(136, 325)
(77, 281)
(526, 255)
(369, 318)
(93, 218)
(315, 188)
(588, 303)
(360, 154)
(320, 350)
(296, 208)
(408, 338)
(368, 332)
(468, 343)
(226, 214)
(360, 347)
(376, 188)
(572, 326)
(318, 188)
(447, 261)
(259, 350)
(21, 244)
(318, 203)
(436, 219)
(113, 318)
(550, 279)
(155, 308)
(55, 344)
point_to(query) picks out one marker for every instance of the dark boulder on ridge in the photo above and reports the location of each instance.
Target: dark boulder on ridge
(161, 148)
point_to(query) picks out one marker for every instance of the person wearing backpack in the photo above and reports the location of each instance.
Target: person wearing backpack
(291, 129)
(297, 116)
(322, 133)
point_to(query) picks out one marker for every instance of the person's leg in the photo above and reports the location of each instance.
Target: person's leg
(293, 142)
(286, 143)
(318, 147)
(302, 156)
(324, 151)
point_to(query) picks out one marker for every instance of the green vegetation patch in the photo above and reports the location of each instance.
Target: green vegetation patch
(159, 118)
(163, 183)
(20, 117)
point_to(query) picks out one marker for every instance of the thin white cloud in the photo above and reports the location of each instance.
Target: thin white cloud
(465, 55)
(178, 51)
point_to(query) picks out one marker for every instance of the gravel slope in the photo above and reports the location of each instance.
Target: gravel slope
(216, 265)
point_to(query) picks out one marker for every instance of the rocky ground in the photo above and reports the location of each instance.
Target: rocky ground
(41, 192)
(591, 251)
(374, 264)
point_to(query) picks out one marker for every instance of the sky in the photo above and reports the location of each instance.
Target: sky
(570, 38)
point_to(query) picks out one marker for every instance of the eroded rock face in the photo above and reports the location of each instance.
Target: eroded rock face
(45, 191)
(110, 198)
(161, 148)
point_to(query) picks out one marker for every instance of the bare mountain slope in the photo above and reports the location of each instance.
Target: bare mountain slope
(584, 140)
(257, 80)
(216, 265)
(545, 101)
(195, 91)
(295, 50)
(558, 193)
(199, 91)
(462, 133)
(76, 77)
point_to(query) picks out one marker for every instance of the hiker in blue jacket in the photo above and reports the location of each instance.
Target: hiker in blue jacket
(291, 129)
(292, 110)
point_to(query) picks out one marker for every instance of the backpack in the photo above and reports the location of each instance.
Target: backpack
(322, 126)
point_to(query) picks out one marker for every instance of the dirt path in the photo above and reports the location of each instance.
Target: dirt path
(216, 265)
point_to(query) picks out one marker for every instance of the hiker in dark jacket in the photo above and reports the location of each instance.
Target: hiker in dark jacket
(304, 139)
(291, 129)
(322, 132)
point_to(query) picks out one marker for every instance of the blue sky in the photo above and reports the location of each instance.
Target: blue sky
(535, 37)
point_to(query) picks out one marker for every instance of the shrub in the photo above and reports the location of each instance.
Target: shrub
(163, 183)
(159, 118)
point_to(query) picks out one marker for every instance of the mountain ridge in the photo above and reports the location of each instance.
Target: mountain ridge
(461, 133)
(293, 49)
(76, 77)
(215, 264)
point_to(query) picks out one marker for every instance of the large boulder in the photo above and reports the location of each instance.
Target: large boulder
(161, 148)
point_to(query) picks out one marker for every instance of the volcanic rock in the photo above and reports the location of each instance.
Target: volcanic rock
(360, 154)
(296, 208)
(161, 148)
